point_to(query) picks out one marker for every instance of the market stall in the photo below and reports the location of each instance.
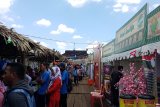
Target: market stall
(151, 52)
(107, 66)
(17, 48)
(133, 51)
(13, 46)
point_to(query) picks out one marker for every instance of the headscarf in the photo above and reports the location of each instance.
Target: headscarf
(57, 74)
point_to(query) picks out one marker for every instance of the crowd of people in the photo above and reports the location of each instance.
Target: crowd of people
(25, 87)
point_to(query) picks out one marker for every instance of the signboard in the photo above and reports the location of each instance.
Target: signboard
(132, 32)
(154, 24)
(108, 49)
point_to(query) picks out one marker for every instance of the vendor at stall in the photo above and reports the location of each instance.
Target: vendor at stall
(115, 77)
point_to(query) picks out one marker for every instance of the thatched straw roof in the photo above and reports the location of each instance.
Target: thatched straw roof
(21, 44)
(17, 40)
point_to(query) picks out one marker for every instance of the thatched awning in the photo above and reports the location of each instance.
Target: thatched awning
(17, 40)
(13, 43)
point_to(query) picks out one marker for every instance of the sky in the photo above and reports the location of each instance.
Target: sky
(70, 24)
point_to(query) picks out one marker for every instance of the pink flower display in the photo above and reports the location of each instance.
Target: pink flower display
(133, 82)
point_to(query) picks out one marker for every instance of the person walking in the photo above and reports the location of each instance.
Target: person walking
(79, 73)
(75, 74)
(43, 81)
(19, 93)
(54, 88)
(83, 70)
(64, 90)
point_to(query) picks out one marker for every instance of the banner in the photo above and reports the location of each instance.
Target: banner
(132, 32)
(108, 49)
(154, 26)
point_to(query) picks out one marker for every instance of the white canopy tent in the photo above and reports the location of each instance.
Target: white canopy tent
(124, 55)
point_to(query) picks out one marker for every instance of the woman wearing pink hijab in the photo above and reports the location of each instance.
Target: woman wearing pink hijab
(54, 88)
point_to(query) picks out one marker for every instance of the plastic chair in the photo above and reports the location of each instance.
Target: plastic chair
(96, 95)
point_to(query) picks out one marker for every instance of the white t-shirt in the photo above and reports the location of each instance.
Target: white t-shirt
(28, 78)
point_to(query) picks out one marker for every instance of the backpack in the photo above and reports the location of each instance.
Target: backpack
(30, 98)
